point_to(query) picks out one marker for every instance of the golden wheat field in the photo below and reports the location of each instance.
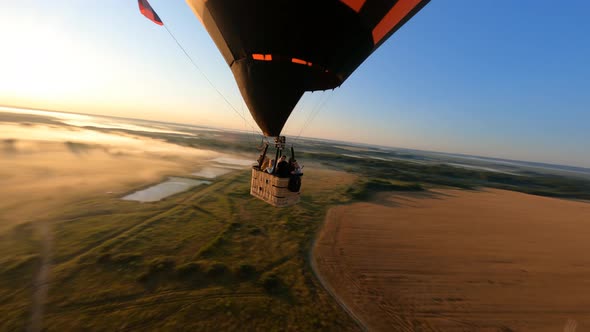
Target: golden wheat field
(452, 260)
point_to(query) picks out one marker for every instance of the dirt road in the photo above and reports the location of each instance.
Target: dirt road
(41, 283)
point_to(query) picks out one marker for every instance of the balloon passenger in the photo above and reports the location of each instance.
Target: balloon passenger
(264, 163)
(283, 168)
(262, 160)
(296, 169)
(269, 167)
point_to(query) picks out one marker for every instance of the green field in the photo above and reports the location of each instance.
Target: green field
(209, 259)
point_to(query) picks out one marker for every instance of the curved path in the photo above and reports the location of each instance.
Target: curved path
(41, 282)
(326, 285)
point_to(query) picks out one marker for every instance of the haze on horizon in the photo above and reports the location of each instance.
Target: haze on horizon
(504, 79)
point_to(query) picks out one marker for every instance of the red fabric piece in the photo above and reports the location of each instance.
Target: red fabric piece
(148, 11)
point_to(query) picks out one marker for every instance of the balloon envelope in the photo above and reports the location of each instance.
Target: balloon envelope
(278, 49)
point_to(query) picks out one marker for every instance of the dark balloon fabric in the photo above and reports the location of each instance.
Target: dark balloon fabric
(278, 49)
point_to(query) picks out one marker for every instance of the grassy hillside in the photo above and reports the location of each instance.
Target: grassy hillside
(19, 261)
(210, 259)
(411, 174)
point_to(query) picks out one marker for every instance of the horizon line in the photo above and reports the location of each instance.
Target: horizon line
(460, 154)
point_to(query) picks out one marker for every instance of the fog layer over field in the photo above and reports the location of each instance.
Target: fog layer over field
(42, 168)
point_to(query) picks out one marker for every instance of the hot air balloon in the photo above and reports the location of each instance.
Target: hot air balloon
(279, 49)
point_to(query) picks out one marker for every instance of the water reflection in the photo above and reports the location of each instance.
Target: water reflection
(174, 185)
(211, 172)
(235, 162)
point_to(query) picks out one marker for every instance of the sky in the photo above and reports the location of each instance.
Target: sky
(504, 78)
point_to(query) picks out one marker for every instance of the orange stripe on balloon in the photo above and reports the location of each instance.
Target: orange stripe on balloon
(400, 10)
(299, 61)
(262, 57)
(356, 5)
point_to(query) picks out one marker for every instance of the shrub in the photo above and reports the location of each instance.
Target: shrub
(126, 259)
(162, 264)
(245, 272)
(189, 270)
(272, 283)
(104, 258)
(144, 277)
(217, 270)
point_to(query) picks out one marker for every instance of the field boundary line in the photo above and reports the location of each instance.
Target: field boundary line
(324, 283)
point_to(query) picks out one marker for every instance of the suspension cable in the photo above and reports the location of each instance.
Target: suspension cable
(316, 110)
(207, 79)
(313, 108)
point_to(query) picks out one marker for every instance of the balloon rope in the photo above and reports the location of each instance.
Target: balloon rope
(316, 110)
(313, 108)
(207, 78)
(251, 131)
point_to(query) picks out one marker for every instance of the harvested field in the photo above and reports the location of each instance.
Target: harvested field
(453, 260)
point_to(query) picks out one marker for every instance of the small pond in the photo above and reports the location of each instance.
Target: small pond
(164, 189)
(212, 172)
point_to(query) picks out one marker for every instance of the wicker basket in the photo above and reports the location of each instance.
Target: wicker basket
(272, 189)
